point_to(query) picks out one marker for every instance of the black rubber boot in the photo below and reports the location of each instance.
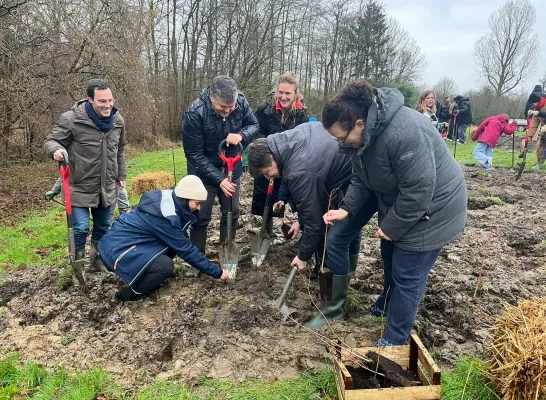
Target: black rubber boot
(223, 233)
(80, 253)
(125, 294)
(95, 263)
(199, 240)
(353, 263)
(332, 309)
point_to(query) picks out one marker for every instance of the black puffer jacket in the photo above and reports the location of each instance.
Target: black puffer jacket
(537, 90)
(311, 165)
(203, 130)
(270, 123)
(270, 119)
(420, 188)
(465, 111)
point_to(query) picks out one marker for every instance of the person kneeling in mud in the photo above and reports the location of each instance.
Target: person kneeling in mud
(141, 244)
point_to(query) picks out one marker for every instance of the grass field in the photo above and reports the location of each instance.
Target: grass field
(40, 239)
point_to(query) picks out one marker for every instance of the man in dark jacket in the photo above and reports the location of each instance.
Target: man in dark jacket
(141, 244)
(220, 113)
(308, 161)
(400, 160)
(464, 116)
(93, 135)
(530, 101)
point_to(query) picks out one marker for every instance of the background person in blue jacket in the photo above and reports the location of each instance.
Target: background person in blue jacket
(141, 244)
(221, 112)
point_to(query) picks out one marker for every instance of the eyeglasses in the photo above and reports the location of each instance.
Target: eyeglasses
(341, 140)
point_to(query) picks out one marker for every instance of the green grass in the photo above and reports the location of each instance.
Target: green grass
(466, 382)
(29, 380)
(501, 158)
(40, 239)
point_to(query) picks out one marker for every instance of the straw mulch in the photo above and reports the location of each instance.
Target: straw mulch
(147, 181)
(518, 351)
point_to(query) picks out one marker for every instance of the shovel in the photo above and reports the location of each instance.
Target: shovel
(77, 265)
(521, 165)
(260, 242)
(229, 256)
(280, 302)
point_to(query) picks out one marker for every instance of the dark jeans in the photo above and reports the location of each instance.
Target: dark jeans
(156, 273)
(461, 132)
(344, 239)
(205, 213)
(406, 273)
(80, 222)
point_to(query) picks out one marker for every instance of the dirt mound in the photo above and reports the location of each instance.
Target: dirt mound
(204, 327)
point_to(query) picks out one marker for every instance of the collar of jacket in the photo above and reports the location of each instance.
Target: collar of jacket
(81, 116)
(184, 215)
(297, 106)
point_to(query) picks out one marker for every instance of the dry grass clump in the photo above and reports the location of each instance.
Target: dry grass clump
(518, 351)
(147, 181)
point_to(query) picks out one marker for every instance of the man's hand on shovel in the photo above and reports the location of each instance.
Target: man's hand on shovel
(296, 262)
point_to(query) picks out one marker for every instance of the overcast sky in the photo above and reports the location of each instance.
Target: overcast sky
(447, 30)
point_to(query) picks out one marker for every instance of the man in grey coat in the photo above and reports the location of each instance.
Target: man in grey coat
(400, 159)
(93, 135)
(308, 162)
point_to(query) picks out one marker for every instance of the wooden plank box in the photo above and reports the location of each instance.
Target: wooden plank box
(413, 356)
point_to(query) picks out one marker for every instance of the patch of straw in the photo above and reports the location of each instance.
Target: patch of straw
(147, 181)
(518, 351)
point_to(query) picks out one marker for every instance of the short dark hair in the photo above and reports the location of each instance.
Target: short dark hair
(96, 84)
(225, 88)
(259, 157)
(350, 105)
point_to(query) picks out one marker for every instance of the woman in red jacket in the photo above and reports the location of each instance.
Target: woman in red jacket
(487, 135)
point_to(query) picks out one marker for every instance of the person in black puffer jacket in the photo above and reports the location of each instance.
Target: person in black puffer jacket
(283, 109)
(464, 117)
(220, 113)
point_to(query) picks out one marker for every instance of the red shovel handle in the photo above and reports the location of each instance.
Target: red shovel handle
(230, 161)
(64, 169)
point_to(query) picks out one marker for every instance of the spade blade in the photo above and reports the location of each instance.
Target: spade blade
(229, 259)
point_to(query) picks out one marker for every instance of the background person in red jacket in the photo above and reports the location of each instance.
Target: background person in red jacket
(487, 135)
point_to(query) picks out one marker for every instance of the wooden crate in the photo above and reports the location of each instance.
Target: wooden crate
(413, 356)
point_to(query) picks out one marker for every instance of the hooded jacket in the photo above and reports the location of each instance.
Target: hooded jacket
(203, 129)
(420, 188)
(97, 159)
(538, 90)
(311, 165)
(492, 128)
(158, 224)
(465, 110)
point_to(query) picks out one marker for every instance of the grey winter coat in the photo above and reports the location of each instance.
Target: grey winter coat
(420, 188)
(311, 165)
(97, 160)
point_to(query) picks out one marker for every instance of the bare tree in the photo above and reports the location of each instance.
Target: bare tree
(543, 82)
(507, 54)
(445, 87)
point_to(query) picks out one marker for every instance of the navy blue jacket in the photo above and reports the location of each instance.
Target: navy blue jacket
(203, 129)
(137, 238)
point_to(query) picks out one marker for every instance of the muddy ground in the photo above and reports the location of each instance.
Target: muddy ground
(203, 327)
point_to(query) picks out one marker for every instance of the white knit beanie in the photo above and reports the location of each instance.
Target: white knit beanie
(191, 187)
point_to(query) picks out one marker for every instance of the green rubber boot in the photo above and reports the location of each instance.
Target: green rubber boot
(199, 240)
(353, 263)
(332, 309)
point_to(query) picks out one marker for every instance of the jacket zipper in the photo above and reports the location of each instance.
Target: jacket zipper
(122, 254)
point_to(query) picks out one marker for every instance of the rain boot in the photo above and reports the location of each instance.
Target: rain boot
(199, 240)
(353, 263)
(332, 309)
(125, 294)
(94, 260)
(223, 233)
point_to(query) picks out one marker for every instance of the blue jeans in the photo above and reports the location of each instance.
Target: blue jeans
(483, 153)
(461, 132)
(406, 274)
(344, 239)
(80, 222)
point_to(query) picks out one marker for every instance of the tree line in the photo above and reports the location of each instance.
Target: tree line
(159, 54)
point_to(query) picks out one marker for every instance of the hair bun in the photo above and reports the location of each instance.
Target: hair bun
(358, 91)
